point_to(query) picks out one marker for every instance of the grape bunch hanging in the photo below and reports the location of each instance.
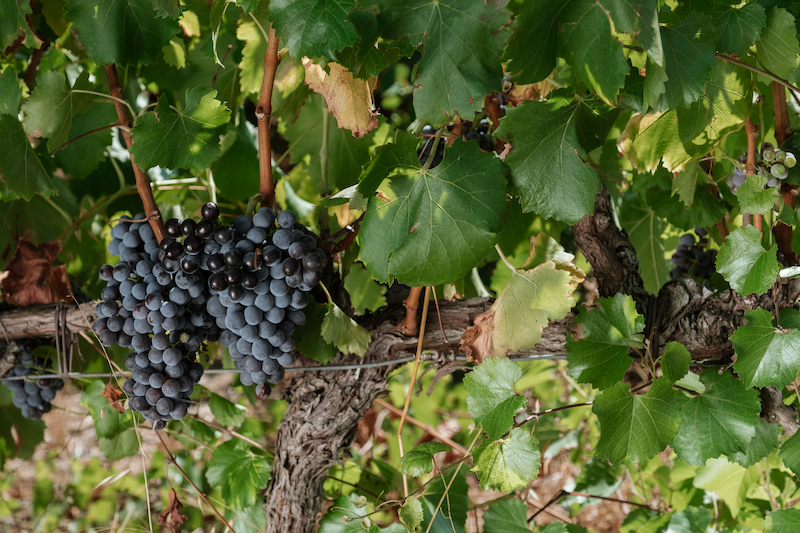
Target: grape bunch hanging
(693, 257)
(244, 285)
(771, 162)
(33, 394)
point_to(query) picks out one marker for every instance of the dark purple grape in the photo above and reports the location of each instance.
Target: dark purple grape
(173, 227)
(210, 211)
(188, 227)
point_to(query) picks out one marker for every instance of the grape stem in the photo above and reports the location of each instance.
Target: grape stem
(142, 181)
(411, 304)
(264, 115)
(763, 72)
(751, 132)
(82, 135)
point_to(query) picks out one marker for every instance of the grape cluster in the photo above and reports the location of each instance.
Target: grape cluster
(771, 162)
(32, 395)
(481, 134)
(244, 285)
(257, 315)
(691, 257)
(424, 151)
(161, 383)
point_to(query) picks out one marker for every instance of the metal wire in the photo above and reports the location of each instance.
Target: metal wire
(398, 361)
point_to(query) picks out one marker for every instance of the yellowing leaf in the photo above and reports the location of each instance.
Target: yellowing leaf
(348, 98)
(530, 300)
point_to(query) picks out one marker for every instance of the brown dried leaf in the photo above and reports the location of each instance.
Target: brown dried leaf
(348, 98)
(32, 278)
(114, 394)
(171, 516)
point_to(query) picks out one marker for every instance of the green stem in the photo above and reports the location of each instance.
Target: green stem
(325, 289)
(769, 75)
(58, 209)
(114, 98)
(323, 173)
(432, 154)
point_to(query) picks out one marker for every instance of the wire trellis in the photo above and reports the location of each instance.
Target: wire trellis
(211, 371)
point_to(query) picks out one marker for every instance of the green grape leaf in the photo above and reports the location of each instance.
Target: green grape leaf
(82, 156)
(507, 516)
(766, 439)
(522, 310)
(689, 59)
(738, 28)
(729, 480)
(238, 472)
(23, 174)
(491, 399)
(644, 230)
(532, 46)
(635, 428)
(410, 514)
(252, 63)
(654, 86)
(454, 74)
(308, 340)
(675, 362)
(601, 356)
(313, 28)
(419, 460)
(782, 521)
(586, 42)
(721, 420)
(371, 55)
(365, 294)
(114, 436)
(121, 445)
(707, 208)
(678, 136)
(10, 92)
(687, 182)
(745, 264)
(226, 412)
(546, 160)
(754, 198)
(343, 332)
(690, 520)
(15, 14)
(777, 48)
(639, 18)
(125, 32)
(765, 355)
(507, 464)
(53, 104)
(429, 227)
(186, 138)
(790, 453)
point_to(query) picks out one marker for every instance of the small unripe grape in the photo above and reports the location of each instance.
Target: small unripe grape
(778, 170)
(780, 155)
(768, 154)
(790, 160)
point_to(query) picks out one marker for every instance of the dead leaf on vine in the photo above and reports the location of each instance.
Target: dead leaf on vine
(114, 394)
(530, 300)
(32, 279)
(348, 98)
(171, 516)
